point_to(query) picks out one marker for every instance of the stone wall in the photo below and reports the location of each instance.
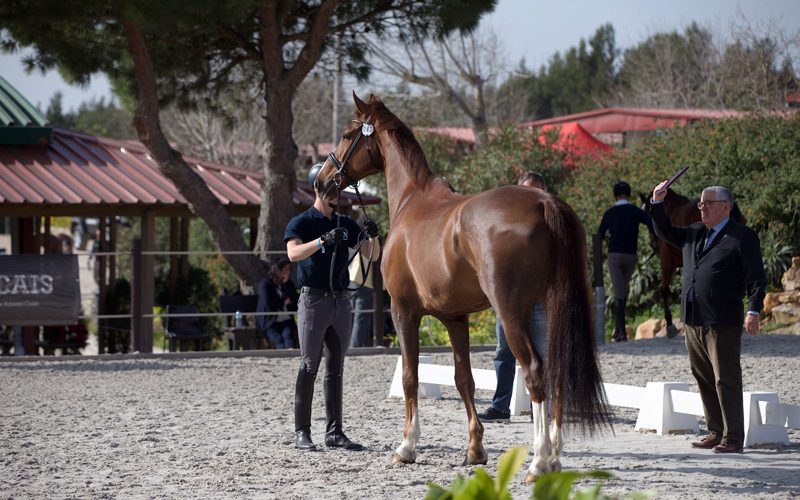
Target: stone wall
(784, 307)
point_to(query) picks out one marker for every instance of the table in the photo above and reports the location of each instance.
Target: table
(242, 337)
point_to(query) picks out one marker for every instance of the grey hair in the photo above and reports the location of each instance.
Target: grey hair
(722, 193)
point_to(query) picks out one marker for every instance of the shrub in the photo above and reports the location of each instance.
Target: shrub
(757, 157)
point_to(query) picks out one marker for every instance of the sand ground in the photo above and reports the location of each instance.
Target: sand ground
(223, 428)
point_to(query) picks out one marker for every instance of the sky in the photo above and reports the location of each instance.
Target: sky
(529, 29)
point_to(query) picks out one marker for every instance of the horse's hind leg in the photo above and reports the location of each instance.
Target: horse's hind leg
(518, 336)
(407, 326)
(556, 439)
(458, 329)
(668, 268)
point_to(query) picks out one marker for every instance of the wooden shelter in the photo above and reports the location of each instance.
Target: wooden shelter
(47, 172)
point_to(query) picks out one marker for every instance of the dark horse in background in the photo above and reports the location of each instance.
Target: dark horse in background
(682, 211)
(448, 255)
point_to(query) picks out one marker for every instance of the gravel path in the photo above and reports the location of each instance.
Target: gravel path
(223, 427)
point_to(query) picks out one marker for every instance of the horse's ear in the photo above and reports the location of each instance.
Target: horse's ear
(361, 106)
(372, 99)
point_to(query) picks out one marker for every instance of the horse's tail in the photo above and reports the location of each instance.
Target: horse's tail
(573, 376)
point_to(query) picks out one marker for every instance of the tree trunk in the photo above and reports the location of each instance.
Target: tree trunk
(277, 207)
(202, 202)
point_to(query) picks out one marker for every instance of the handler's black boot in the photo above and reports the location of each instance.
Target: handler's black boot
(334, 436)
(620, 334)
(304, 394)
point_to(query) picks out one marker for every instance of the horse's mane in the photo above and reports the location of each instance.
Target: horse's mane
(406, 141)
(674, 197)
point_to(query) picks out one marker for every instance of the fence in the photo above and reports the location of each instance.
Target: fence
(141, 337)
(664, 407)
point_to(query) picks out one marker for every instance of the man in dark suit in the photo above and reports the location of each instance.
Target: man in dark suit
(721, 264)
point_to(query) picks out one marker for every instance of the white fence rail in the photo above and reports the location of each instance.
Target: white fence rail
(664, 407)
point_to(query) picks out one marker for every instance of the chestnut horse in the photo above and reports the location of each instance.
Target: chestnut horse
(448, 255)
(682, 211)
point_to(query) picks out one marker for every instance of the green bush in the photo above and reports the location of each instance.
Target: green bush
(757, 157)
(550, 486)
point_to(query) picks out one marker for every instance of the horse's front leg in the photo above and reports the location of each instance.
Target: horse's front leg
(407, 326)
(458, 330)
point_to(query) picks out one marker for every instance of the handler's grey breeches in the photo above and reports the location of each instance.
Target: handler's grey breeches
(620, 267)
(323, 321)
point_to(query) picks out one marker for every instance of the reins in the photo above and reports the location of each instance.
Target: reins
(365, 131)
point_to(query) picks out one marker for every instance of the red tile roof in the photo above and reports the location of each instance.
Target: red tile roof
(94, 173)
(615, 120)
(458, 134)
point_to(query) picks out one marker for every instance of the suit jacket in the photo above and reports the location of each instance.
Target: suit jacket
(719, 276)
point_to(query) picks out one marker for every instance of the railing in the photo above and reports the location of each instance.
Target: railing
(138, 315)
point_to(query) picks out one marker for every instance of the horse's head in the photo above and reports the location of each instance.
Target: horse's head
(358, 153)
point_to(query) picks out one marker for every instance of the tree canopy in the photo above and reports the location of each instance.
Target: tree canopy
(155, 51)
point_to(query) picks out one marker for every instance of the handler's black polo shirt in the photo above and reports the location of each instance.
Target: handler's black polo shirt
(314, 271)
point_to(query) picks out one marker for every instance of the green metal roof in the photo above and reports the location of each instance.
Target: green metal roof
(20, 122)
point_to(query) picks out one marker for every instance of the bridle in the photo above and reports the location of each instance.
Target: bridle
(366, 130)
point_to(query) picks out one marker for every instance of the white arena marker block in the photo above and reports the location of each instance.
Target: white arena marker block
(426, 390)
(756, 430)
(657, 413)
(520, 398)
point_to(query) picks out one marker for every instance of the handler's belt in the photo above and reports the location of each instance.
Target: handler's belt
(316, 292)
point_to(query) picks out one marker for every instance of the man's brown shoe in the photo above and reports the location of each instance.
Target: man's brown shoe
(727, 448)
(707, 442)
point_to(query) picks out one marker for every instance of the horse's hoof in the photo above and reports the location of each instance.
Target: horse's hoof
(555, 465)
(397, 459)
(477, 459)
(534, 473)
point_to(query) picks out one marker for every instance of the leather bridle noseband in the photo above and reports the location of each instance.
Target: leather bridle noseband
(366, 130)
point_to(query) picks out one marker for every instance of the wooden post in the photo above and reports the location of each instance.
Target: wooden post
(377, 304)
(102, 288)
(37, 235)
(184, 245)
(174, 261)
(112, 247)
(148, 279)
(46, 236)
(136, 296)
(253, 231)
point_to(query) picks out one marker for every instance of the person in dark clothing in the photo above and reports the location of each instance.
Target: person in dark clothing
(721, 265)
(277, 293)
(622, 222)
(317, 240)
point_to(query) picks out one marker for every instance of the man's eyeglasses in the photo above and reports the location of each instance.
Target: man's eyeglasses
(704, 203)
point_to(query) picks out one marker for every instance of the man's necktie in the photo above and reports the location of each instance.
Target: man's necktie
(709, 238)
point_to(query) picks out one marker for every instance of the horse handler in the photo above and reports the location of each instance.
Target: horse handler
(721, 264)
(313, 239)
